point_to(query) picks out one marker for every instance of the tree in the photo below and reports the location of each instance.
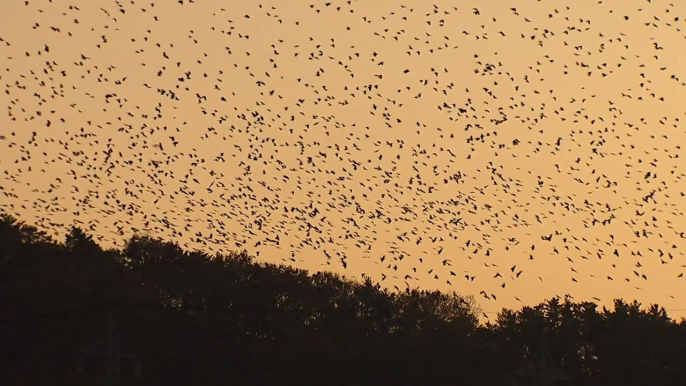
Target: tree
(229, 319)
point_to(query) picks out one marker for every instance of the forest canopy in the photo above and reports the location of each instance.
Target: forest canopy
(188, 317)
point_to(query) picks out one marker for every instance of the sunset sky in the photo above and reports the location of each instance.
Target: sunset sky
(436, 145)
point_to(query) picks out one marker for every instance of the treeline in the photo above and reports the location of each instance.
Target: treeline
(196, 319)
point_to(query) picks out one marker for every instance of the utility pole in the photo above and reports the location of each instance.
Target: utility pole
(544, 373)
(109, 351)
(541, 371)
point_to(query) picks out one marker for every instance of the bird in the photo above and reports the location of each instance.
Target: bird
(380, 135)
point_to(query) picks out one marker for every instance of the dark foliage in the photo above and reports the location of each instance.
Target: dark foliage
(219, 320)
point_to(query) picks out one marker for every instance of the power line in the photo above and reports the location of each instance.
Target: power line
(666, 310)
(109, 354)
(157, 305)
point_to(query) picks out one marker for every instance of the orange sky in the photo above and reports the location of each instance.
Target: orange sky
(270, 110)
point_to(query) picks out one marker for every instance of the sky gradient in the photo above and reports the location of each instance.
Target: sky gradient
(423, 144)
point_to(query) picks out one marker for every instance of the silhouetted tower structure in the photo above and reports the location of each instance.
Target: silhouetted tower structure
(108, 355)
(539, 371)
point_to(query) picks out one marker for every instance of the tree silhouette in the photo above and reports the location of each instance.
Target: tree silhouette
(228, 319)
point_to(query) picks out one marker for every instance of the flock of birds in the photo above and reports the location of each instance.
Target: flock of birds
(513, 151)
